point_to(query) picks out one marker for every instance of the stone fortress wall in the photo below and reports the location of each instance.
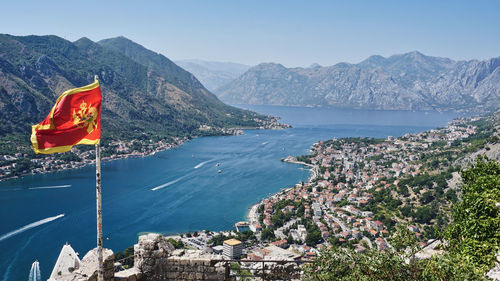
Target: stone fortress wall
(155, 259)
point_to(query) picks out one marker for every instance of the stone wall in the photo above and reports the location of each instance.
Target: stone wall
(191, 268)
(156, 260)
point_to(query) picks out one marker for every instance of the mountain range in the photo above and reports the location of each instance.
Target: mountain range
(144, 93)
(410, 81)
(213, 74)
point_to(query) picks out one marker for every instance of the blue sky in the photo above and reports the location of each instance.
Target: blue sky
(294, 33)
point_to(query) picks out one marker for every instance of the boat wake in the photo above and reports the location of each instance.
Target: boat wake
(202, 163)
(168, 183)
(51, 187)
(29, 226)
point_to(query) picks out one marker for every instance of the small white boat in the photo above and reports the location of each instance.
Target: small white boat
(220, 171)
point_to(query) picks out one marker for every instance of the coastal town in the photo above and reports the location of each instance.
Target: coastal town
(21, 164)
(359, 190)
(251, 140)
(17, 164)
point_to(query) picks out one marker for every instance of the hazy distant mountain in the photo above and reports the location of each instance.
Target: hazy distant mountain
(213, 74)
(409, 81)
(145, 94)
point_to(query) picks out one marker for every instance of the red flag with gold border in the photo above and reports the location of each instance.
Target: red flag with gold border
(74, 119)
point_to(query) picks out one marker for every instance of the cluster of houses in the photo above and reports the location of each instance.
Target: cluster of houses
(345, 222)
(346, 175)
(49, 163)
(272, 123)
(456, 130)
(350, 171)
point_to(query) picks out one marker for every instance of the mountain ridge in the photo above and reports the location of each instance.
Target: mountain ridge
(411, 81)
(143, 94)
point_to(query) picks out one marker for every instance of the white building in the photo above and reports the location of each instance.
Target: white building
(367, 214)
(232, 248)
(316, 209)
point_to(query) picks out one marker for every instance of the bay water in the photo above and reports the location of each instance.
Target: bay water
(177, 190)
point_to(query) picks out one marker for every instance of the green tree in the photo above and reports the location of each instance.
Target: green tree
(474, 233)
(427, 197)
(403, 190)
(473, 236)
(176, 243)
(451, 195)
(405, 211)
(22, 166)
(313, 238)
(424, 214)
(267, 234)
(246, 235)
(68, 157)
(126, 258)
(344, 264)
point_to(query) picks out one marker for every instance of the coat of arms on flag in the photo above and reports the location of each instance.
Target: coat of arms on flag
(74, 119)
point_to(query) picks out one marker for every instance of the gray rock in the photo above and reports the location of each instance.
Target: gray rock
(494, 273)
(410, 81)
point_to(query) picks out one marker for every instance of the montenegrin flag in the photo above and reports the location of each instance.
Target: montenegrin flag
(74, 119)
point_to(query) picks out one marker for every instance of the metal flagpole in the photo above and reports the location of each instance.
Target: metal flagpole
(100, 276)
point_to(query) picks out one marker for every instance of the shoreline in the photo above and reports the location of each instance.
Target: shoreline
(252, 215)
(161, 147)
(314, 168)
(111, 158)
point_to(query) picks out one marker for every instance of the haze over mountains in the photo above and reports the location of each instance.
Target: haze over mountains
(213, 74)
(143, 92)
(410, 81)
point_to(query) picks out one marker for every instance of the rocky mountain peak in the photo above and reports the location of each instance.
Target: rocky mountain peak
(84, 41)
(410, 81)
(144, 92)
(268, 65)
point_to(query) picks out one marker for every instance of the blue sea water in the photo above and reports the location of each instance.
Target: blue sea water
(189, 194)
